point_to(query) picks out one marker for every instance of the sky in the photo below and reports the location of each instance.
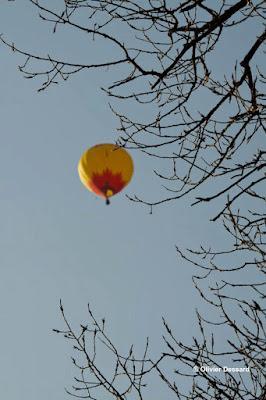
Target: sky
(58, 241)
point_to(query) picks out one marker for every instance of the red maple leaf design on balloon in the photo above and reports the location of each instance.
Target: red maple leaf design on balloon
(107, 180)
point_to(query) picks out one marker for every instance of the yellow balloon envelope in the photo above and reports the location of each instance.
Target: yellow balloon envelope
(105, 169)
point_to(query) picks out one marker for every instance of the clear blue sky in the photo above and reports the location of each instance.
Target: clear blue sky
(59, 241)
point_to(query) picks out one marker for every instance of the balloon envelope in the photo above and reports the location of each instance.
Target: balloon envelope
(105, 169)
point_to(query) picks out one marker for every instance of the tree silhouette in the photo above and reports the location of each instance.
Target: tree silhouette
(169, 53)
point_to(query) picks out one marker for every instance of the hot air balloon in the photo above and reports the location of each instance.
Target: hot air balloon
(105, 169)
